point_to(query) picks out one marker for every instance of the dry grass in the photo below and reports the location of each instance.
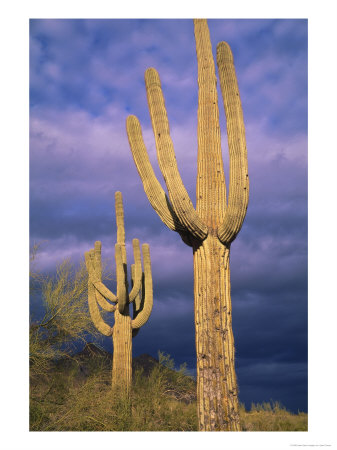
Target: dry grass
(67, 400)
(272, 417)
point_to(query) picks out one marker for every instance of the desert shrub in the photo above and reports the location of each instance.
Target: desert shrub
(66, 320)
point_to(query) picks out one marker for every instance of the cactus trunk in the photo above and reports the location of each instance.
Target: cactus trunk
(216, 380)
(122, 355)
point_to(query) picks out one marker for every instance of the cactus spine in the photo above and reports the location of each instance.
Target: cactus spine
(141, 295)
(212, 226)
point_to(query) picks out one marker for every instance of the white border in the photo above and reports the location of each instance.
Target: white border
(322, 221)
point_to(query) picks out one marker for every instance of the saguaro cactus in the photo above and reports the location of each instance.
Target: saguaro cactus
(141, 296)
(212, 226)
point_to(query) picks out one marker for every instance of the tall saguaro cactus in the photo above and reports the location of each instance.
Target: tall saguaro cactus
(141, 295)
(212, 226)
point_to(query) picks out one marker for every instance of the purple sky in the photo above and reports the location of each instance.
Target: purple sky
(86, 76)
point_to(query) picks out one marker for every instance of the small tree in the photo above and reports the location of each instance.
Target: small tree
(66, 317)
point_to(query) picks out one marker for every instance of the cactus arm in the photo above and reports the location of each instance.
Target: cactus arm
(93, 308)
(178, 195)
(211, 186)
(238, 164)
(102, 292)
(99, 323)
(120, 275)
(137, 271)
(155, 193)
(144, 314)
(137, 299)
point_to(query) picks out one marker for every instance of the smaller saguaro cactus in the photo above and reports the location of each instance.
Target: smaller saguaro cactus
(141, 295)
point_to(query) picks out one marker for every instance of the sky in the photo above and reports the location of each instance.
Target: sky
(86, 77)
